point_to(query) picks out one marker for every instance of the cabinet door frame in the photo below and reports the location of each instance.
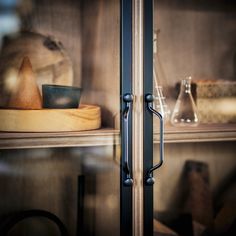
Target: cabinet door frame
(138, 117)
(126, 192)
(147, 115)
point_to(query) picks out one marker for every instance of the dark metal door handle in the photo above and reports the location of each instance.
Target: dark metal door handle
(128, 99)
(149, 176)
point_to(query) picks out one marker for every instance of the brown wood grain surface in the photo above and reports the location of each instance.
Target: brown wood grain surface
(86, 117)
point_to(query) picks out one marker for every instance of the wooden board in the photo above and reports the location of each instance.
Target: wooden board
(87, 117)
(161, 229)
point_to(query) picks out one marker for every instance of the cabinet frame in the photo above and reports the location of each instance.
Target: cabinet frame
(126, 60)
(147, 116)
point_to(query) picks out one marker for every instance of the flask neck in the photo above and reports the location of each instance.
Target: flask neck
(186, 86)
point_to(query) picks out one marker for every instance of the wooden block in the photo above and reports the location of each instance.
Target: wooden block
(181, 223)
(86, 117)
(199, 199)
(225, 217)
(161, 229)
(198, 229)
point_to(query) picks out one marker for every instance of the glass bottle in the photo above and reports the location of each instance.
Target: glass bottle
(160, 104)
(185, 111)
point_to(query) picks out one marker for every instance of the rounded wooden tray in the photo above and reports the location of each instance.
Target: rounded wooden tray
(86, 117)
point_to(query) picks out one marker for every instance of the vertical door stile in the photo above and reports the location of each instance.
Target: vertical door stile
(138, 117)
(147, 116)
(126, 118)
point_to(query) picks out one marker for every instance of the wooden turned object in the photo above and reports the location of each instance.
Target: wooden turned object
(26, 93)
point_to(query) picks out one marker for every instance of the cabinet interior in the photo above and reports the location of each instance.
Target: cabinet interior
(195, 38)
(48, 178)
(90, 34)
(79, 185)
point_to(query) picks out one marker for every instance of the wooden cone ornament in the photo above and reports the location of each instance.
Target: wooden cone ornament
(26, 94)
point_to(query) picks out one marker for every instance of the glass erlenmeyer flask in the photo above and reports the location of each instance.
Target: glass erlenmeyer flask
(159, 100)
(185, 111)
(160, 103)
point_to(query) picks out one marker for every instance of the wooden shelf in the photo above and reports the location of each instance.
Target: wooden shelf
(103, 137)
(202, 133)
(99, 137)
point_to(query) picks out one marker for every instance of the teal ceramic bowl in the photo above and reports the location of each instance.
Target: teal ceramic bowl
(60, 96)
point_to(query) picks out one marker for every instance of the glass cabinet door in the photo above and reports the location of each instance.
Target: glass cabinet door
(190, 44)
(60, 191)
(64, 169)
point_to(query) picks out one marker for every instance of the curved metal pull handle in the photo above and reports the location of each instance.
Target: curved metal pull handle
(149, 177)
(127, 98)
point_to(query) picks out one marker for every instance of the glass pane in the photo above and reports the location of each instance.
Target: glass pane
(194, 39)
(66, 163)
(79, 185)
